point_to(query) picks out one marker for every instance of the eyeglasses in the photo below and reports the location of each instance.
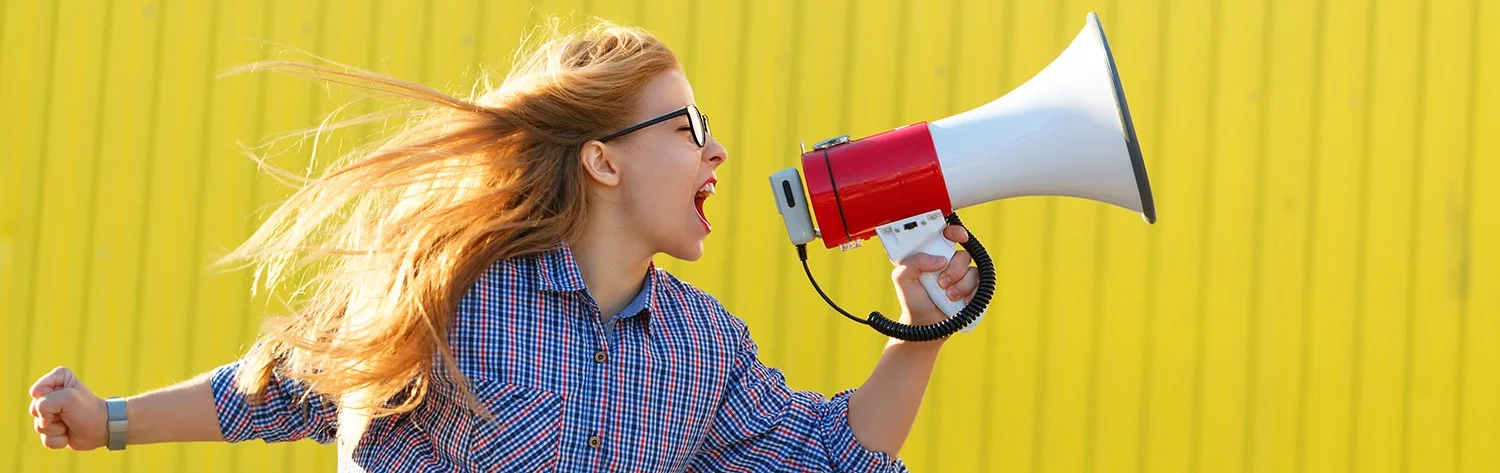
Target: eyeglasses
(698, 121)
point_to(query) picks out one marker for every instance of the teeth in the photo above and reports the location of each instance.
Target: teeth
(707, 187)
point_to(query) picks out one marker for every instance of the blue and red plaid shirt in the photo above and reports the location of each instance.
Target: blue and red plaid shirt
(671, 383)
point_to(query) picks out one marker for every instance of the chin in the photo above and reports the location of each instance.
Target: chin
(687, 251)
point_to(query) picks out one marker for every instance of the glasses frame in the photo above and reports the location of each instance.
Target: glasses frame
(696, 120)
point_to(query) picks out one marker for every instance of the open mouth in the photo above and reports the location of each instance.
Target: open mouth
(704, 192)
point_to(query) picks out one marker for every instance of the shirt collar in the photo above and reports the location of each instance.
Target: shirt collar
(560, 273)
(643, 299)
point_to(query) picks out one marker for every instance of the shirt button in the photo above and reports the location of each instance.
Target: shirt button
(600, 357)
(595, 441)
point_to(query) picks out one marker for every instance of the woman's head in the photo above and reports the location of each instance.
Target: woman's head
(393, 234)
(579, 95)
(650, 178)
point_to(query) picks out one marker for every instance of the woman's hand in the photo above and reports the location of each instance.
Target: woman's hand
(957, 277)
(65, 413)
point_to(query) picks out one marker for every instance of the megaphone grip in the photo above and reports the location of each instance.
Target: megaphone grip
(971, 312)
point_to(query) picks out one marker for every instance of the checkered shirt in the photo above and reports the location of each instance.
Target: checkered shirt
(672, 383)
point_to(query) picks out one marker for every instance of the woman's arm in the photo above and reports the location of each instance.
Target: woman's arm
(181, 413)
(66, 414)
(882, 411)
(208, 407)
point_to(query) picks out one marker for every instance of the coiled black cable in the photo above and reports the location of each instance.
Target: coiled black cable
(929, 332)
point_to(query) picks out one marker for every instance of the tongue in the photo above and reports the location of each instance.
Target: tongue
(698, 202)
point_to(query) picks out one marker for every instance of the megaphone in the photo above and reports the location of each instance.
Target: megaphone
(1065, 132)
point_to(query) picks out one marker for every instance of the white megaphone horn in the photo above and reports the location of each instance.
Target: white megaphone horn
(1065, 132)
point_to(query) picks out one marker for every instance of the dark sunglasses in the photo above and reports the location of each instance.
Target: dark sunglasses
(698, 121)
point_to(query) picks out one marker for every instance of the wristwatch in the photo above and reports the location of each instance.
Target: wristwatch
(117, 424)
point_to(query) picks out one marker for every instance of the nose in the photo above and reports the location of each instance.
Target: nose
(714, 152)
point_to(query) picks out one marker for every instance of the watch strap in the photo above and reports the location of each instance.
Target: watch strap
(116, 424)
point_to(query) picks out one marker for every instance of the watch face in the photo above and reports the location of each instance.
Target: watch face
(115, 408)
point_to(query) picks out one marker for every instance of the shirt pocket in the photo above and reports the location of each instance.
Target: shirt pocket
(523, 432)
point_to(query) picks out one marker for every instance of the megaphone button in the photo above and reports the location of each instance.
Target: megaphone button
(831, 142)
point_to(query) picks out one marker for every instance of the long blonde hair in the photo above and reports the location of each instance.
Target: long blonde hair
(390, 237)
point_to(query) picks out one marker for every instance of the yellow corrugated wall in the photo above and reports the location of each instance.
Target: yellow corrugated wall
(1322, 292)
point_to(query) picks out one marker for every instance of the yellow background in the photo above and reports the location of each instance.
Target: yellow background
(1321, 293)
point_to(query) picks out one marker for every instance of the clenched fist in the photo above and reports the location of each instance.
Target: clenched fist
(66, 414)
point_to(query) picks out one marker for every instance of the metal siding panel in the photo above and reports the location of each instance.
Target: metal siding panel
(1170, 410)
(1333, 253)
(805, 324)
(1439, 255)
(1479, 370)
(29, 52)
(77, 72)
(1293, 97)
(1221, 395)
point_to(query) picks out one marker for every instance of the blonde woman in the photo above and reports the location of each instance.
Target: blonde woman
(483, 298)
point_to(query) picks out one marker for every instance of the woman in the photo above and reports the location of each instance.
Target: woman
(483, 298)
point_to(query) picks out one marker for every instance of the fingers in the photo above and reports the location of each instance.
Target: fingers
(54, 441)
(55, 403)
(954, 272)
(956, 234)
(49, 427)
(51, 430)
(907, 273)
(42, 422)
(48, 411)
(38, 413)
(56, 379)
(965, 287)
(913, 266)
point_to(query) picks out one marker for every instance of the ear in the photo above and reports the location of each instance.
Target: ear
(598, 162)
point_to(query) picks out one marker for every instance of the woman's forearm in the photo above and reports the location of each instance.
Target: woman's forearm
(882, 412)
(181, 413)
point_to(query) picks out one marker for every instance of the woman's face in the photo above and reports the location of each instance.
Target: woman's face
(663, 175)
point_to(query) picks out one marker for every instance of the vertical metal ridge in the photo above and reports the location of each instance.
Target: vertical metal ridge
(1258, 229)
(1418, 135)
(992, 344)
(196, 255)
(1465, 278)
(1205, 244)
(1153, 265)
(34, 265)
(742, 119)
(1310, 233)
(782, 299)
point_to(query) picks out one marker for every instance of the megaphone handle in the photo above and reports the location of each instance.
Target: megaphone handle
(922, 234)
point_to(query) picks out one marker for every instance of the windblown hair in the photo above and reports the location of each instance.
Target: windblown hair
(388, 239)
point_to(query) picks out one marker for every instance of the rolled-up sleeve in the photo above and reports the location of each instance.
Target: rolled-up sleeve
(284, 414)
(764, 425)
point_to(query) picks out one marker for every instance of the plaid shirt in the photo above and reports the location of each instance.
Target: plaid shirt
(671, 383)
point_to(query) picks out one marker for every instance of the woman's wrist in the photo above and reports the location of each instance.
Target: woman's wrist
(917, 348)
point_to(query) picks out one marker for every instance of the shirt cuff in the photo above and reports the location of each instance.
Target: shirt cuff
(843, 449)
(232, 407)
